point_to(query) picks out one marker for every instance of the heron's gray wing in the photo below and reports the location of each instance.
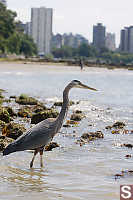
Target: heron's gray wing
(37, 136)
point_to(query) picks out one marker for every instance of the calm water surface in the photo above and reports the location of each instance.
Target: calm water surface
(72, 172)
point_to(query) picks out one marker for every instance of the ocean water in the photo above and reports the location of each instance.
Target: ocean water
(72, 172)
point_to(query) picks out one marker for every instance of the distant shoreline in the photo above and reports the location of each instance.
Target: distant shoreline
(61, 64)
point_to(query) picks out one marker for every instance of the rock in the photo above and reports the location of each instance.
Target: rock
(66, 125)
(108, 127)
(71, 103)
(78, 111)
(118, 131)
(4, 115)
(115, 131)
(77, 117)
(13, 130)
(92, 135)
(116, 125)
(118, 176)
(119, 125)
(13, 97)
(7, 100)
(59, 103)
(1, 96)
(38, 108)
(128, 156)
(10, 111)
(2, 124)
(87, 137)
(130, 171)
(1, 91)
(51, 146)
(25, 112)
(4, 141)
(72, 122)
(36, 118)
(1, 101)
(128, 145)
(25, 100)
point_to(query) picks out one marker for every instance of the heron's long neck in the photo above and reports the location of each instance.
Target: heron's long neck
(64, 108)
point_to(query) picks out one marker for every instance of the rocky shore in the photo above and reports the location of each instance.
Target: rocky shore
(18, 113)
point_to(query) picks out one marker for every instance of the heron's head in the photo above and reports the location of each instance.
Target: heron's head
(78, 84)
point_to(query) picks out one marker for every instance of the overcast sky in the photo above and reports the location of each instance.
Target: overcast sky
(79, 16)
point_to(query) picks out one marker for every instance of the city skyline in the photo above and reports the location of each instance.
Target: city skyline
(78, 16)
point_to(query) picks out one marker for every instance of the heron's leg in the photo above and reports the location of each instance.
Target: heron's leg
(35, 153)
(41, 154)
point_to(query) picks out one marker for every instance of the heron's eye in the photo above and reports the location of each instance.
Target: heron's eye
(76, 81)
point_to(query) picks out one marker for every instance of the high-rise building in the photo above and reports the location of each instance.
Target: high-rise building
(99, 32)
(4, 2)
(70, 40)
(126, 43)
(110, 41)
(41, 28)
(123, 40)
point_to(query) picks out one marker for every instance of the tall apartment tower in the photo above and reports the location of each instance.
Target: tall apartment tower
(126, 43)
(99, 32)
(41, 28)
(110, 41)
(4, 2)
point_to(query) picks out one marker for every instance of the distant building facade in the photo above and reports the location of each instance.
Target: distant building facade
(99, 32)
(126, 40)
(110, 41)
(57, 41)
(41, 28)
(70, 40)
(4, 2)
(27, 29)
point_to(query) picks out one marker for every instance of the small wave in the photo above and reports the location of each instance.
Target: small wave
(19, 73)
(53, 99)
(7, 72)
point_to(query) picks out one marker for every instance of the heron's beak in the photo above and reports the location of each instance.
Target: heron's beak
(86, 87)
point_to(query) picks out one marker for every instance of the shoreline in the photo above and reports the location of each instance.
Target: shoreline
(50, 64)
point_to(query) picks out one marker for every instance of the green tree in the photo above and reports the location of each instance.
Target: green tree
(63, 52)
(27, 46)
(7, 26)
(12, 38)
(86, 50)
(83, 50)
(14, 43)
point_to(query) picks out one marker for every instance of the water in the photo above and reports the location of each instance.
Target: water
(72, 172)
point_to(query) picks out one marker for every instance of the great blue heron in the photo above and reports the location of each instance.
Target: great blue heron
(37, 137)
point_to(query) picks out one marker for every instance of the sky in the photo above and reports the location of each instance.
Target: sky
(79, 16)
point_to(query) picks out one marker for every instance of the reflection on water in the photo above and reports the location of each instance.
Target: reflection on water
(34, 180)
(72, 172)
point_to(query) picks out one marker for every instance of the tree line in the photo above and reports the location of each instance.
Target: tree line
(12, 38)
(86, 51)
